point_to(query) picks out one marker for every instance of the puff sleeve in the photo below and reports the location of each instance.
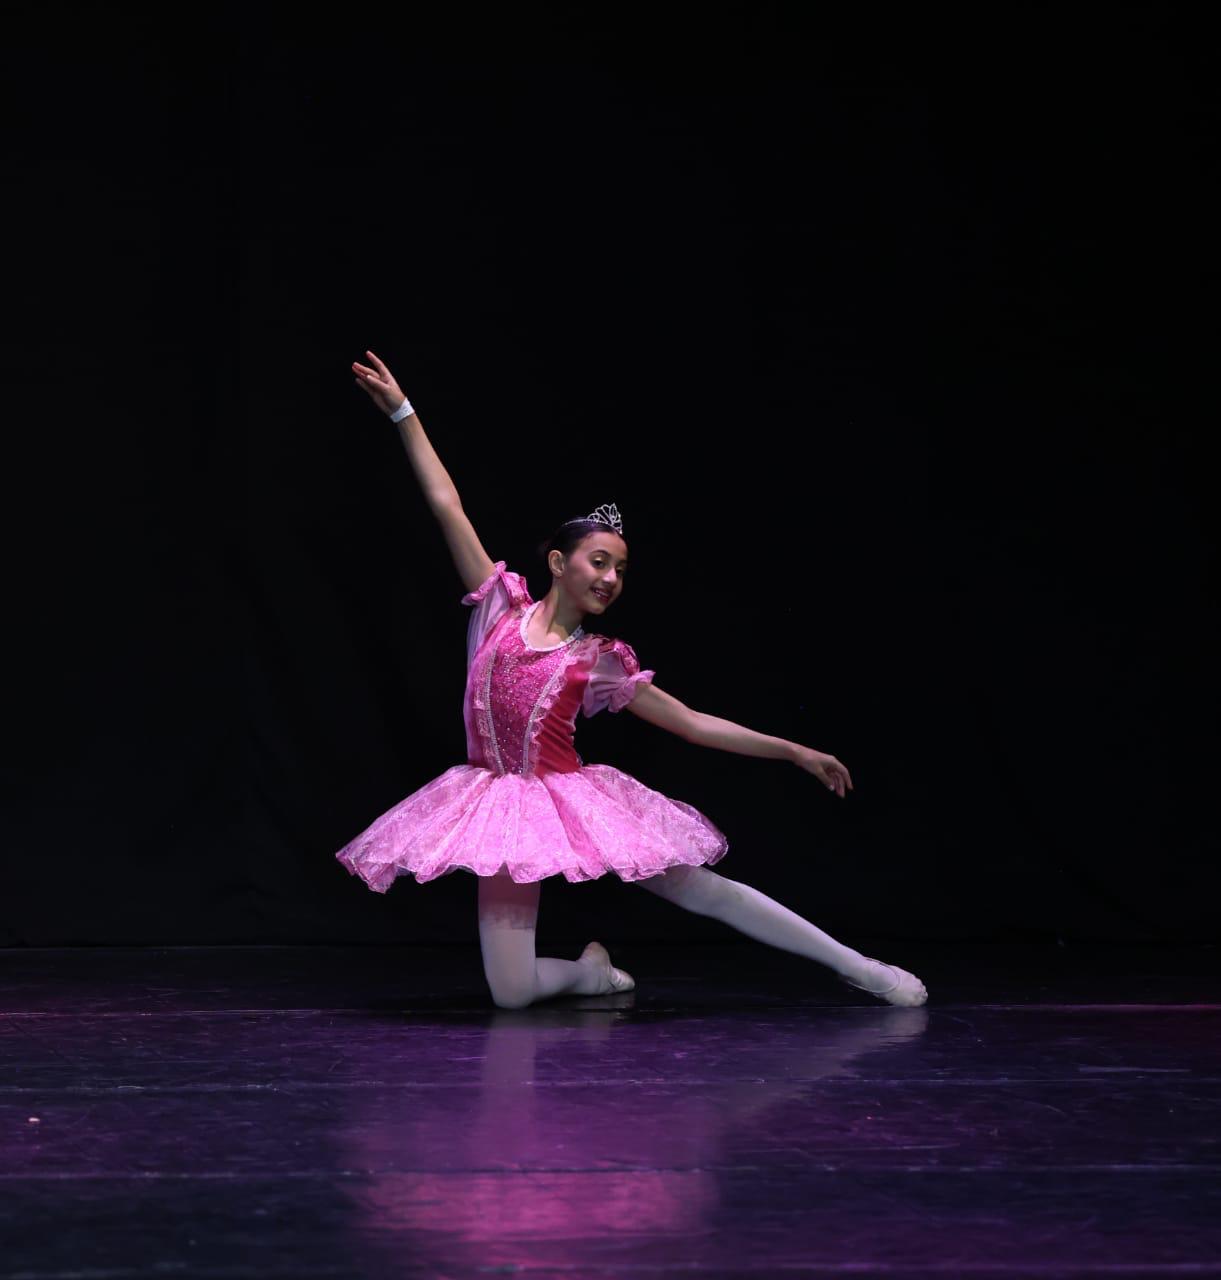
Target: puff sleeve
(614, 678)
(490, 601)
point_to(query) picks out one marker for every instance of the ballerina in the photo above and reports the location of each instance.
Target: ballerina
(524, 806)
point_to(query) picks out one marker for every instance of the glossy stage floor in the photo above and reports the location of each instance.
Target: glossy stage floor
(366, 1112)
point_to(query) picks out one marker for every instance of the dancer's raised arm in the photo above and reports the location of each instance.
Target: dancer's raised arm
(473, 563)
(667, 712)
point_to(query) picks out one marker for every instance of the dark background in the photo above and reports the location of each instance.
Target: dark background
(885, 336)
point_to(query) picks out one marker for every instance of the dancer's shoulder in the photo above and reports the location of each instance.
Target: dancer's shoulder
(615, 649)
(614, 676)
(502, 580)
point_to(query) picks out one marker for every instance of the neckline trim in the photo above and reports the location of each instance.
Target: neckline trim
(525, 622)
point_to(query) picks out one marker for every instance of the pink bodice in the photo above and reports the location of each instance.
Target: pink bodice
(521, 703)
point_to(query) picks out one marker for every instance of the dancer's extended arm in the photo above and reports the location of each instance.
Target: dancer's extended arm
(473, 563)
(667, 712)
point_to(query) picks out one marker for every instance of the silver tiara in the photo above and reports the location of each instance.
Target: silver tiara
(608, 513)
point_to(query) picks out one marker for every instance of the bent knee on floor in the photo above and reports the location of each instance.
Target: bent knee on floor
(512, 1002)
(508, 993)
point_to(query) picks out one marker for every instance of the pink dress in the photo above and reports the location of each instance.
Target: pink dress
(524, 801)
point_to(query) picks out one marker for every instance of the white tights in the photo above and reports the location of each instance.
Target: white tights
(508, 913)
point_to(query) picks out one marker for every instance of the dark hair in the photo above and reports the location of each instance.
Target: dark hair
(569, 536)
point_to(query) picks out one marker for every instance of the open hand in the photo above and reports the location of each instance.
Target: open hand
(826, 768)
(378, 384)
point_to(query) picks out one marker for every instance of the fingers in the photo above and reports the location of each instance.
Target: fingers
(381, 368)
(365, 371)
(833, 776)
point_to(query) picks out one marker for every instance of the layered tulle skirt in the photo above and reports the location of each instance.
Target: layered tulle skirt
(581, 825)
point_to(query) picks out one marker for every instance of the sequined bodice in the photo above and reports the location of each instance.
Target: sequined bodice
(521, 702)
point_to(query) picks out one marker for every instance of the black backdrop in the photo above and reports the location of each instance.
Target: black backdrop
(884, 336)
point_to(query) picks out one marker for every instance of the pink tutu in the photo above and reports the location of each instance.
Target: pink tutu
(579, 824)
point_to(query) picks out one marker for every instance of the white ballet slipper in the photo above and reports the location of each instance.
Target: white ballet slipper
(619, 979)
(906, 989)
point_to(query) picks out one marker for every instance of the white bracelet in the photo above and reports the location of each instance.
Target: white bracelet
(403, 411)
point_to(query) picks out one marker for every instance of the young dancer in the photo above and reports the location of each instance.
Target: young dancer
(524, 806)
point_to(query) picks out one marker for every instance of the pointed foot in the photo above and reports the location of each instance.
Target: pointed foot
(610, 979)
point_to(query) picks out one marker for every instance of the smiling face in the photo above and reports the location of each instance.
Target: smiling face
(596, 564)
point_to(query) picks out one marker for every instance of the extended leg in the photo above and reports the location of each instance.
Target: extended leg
(508, 915)
(707, 893)
(704, 891)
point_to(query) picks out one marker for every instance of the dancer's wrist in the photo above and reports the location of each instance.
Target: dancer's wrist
(403, 411)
